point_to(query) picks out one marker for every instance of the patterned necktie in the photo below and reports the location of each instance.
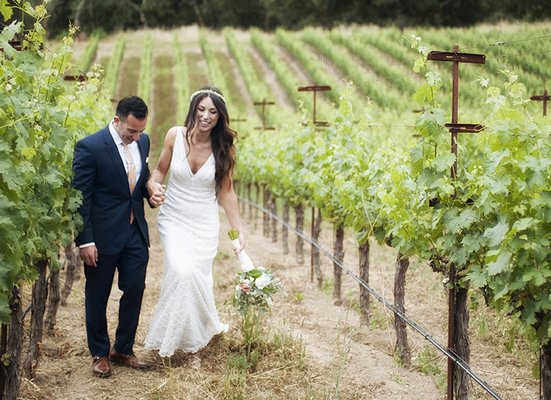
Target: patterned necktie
(131, 173)
(131, 167)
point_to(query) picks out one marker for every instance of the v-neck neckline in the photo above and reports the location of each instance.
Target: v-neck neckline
(187, 156)
(200, 168)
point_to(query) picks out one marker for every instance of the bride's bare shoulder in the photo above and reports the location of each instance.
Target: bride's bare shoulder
(173, 132)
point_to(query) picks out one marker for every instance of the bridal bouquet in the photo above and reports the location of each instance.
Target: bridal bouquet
(256, 285)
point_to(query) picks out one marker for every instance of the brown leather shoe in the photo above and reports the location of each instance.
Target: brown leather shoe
(128, 360)
(101, 367)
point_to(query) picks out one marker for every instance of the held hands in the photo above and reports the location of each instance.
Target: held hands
(157, 192)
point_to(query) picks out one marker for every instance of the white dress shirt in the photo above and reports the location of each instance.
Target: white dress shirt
(132, 147)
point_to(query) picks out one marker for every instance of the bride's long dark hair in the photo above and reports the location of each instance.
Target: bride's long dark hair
(222, 137)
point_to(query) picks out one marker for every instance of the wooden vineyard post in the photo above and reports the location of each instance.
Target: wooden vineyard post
(263, 104)
(75, 78)
(3, 350)
(338, 254)
(456, 298)
(270, 203)
(237, 121)
(543, 98)
(17, 44)
(266, 194)
(314, 89)
(314, 252)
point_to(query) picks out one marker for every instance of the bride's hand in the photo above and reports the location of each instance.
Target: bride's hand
(156, 193)
(242, 241)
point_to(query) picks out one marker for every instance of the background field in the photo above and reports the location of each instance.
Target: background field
(313, 348)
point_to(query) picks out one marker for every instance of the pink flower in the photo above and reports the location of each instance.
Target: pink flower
(244, 286)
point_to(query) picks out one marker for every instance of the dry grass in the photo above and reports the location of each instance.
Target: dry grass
(309, 349)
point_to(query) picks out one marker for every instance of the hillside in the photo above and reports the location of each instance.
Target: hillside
(313, 348)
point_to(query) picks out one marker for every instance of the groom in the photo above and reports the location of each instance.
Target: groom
(110, 169)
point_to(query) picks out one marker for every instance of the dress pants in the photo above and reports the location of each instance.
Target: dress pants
(131, 264)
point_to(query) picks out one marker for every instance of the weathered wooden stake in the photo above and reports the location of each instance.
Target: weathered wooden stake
(237, 121)
(314, 89)
(75, 78)
(3, 349)
(455, 57)
(543, 98)
(315, 267)
(338, 254)
(264, 103)
(299, 223)
(284, 229)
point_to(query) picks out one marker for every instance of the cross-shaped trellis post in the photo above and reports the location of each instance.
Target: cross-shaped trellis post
(454, 127)
(237, 121)
(543, 98)
(75, 78)
(263, 104)
(314, 89)
(16, 44)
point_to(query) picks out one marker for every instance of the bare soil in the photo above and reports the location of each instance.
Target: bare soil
(312, 348)
(326, 352)
(329, 335)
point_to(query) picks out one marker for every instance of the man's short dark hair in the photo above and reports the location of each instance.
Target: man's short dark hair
(131, 105)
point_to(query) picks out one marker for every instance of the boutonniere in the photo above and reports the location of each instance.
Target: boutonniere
(147, 160)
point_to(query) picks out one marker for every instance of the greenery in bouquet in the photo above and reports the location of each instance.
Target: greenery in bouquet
(255, 289)
(252, 297)
(255, 286)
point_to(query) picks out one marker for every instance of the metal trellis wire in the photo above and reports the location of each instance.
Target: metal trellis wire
(415, 326)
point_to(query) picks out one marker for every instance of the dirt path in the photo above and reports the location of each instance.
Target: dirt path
(354, 357)
(337, 348)
(331, 355)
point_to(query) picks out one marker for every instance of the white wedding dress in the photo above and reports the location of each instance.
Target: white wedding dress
(185, 316)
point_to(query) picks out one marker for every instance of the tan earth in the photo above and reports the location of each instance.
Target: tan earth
(367, 372)
(330, 355)
(315, 349)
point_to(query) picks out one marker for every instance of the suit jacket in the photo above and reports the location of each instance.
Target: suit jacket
(100, 175)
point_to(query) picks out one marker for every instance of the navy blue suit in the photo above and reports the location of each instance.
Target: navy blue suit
(100, 175)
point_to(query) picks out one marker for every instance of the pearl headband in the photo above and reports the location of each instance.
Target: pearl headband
(207, 91)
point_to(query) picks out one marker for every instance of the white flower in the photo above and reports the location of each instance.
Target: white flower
(262, 281)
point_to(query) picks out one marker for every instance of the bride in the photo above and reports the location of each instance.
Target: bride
(200, 156)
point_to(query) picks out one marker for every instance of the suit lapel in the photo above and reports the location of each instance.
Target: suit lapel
(143, 155)
(111, 149)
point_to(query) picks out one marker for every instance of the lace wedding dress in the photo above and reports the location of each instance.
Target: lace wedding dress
(185, 316)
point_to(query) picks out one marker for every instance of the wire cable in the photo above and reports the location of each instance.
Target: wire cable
(415, 326)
